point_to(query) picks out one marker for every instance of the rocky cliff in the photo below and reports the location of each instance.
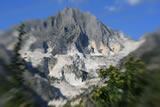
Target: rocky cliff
(68, 49)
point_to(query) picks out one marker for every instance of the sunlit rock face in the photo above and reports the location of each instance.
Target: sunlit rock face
(70, 48)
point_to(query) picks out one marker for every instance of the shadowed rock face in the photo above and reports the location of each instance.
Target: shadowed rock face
(149, 51)
(69, 48)
(69, 26)
(39, 86)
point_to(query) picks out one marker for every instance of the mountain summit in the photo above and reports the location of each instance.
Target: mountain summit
(69, 48)
(71, 28)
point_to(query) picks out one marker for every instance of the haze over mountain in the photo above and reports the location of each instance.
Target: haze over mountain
(68, 49)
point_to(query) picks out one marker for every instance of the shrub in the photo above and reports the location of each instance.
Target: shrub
(123, 88)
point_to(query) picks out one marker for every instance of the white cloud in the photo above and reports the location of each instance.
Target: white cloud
(134, 2)
(59, 1)
(112, 8)
(130, 2)
(72, 1)
(119, 5)
(116, 6)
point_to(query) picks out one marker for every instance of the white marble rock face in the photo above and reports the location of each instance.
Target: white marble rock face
(70, 47)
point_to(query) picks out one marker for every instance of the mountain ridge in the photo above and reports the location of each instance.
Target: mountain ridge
(70, 48)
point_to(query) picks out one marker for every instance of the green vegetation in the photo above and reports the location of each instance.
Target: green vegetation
(150, 56)
(133, 87)
(151, 95)
(13, 89)
(16, 68)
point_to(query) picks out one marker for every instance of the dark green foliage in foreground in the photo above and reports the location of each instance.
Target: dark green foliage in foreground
(16, 68)
(151, 95)
(16, 94)
(122, 89)
(152, 56)
(132, 86)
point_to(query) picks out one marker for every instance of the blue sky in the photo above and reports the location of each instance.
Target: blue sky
(133, 17)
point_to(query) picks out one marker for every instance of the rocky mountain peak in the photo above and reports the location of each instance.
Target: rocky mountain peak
(70, 47)
(83, 30)
(74, 16)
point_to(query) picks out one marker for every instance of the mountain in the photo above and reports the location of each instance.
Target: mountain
(149, 50)
(64, 52)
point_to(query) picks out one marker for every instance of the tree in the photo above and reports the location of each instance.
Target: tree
(17, 67)
(123, 88)
(17, 94)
